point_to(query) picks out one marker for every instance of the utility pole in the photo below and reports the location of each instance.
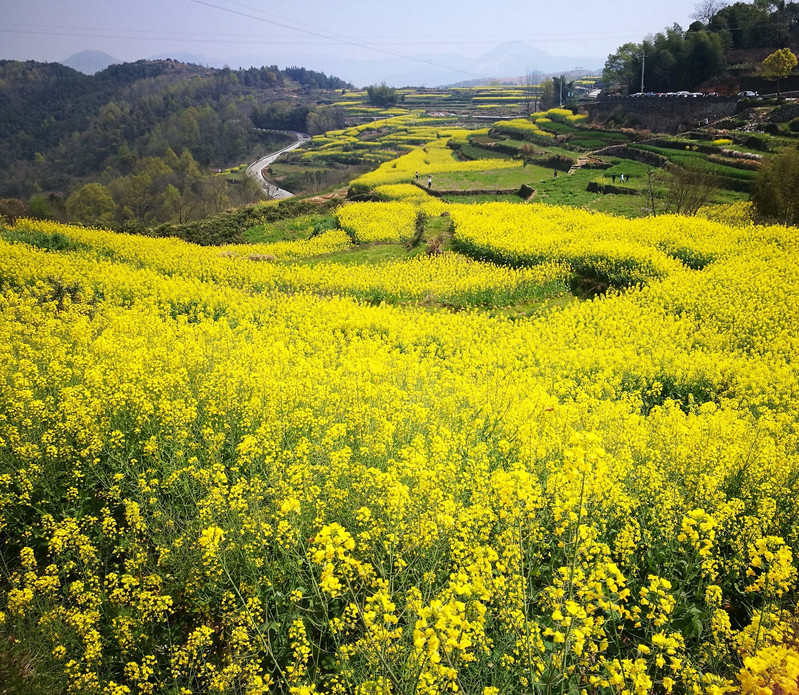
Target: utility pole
(643, 67)
(561, 91)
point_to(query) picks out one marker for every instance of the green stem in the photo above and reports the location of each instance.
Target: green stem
(265, 643)
(766, 606)
(576, 544)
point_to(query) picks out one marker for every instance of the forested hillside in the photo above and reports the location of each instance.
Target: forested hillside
(137, 129)
(724, 44)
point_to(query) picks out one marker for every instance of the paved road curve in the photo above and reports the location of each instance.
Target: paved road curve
(256, 168)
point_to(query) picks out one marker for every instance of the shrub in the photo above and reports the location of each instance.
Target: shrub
(381, 95)
(757, 142)
(776, 188)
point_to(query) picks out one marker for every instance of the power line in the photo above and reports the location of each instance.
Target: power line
(216, 37)
(332, 38)
(89, 33)
(141, 35)
(391, 39)
(297, 26)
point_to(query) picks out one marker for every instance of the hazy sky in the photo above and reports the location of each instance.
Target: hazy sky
(325, 35)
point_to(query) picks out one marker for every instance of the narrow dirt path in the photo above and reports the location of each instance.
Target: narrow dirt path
(583, 160)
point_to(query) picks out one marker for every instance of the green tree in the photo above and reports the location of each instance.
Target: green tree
(381, 95)
(675, 60)
(623, 67)
(703, 57)
(174, 205)
(188, 169)
(321, 120)
(141, 190)
(92, 204)
(778, 65)
(39, 207)
(171, 159)
(776, 188)
(755, 25)
(548, 97)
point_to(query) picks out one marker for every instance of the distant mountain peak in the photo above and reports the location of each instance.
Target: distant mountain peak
(514, 50)
(90, 62)
(515, 59)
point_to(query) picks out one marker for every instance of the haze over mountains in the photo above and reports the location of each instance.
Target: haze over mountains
(90, 62)
(504, 62)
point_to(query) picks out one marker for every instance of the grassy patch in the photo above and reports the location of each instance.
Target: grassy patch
(469, 151)
(436, 232)
(632, 170)
(55, 241)
(532, 308)
(591, 140)
(486, 180)
(570, 189)
(482, 198)
(371, 254)
(292, 229)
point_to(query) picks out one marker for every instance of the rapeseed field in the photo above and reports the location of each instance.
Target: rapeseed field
(230, 470)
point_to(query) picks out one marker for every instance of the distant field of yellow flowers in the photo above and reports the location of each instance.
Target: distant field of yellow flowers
(232, 470)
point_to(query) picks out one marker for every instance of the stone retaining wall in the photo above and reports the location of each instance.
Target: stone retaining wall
(664, 114)
(623, 152)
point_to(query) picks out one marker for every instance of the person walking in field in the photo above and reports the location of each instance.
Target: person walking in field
(429, 181)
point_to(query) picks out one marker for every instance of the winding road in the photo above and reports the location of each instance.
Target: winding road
(256, 168)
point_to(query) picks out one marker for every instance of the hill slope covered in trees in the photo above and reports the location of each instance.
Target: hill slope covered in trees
(138, 127)
(724, 46)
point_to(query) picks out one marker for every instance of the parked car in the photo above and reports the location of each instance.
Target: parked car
(747, 94)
